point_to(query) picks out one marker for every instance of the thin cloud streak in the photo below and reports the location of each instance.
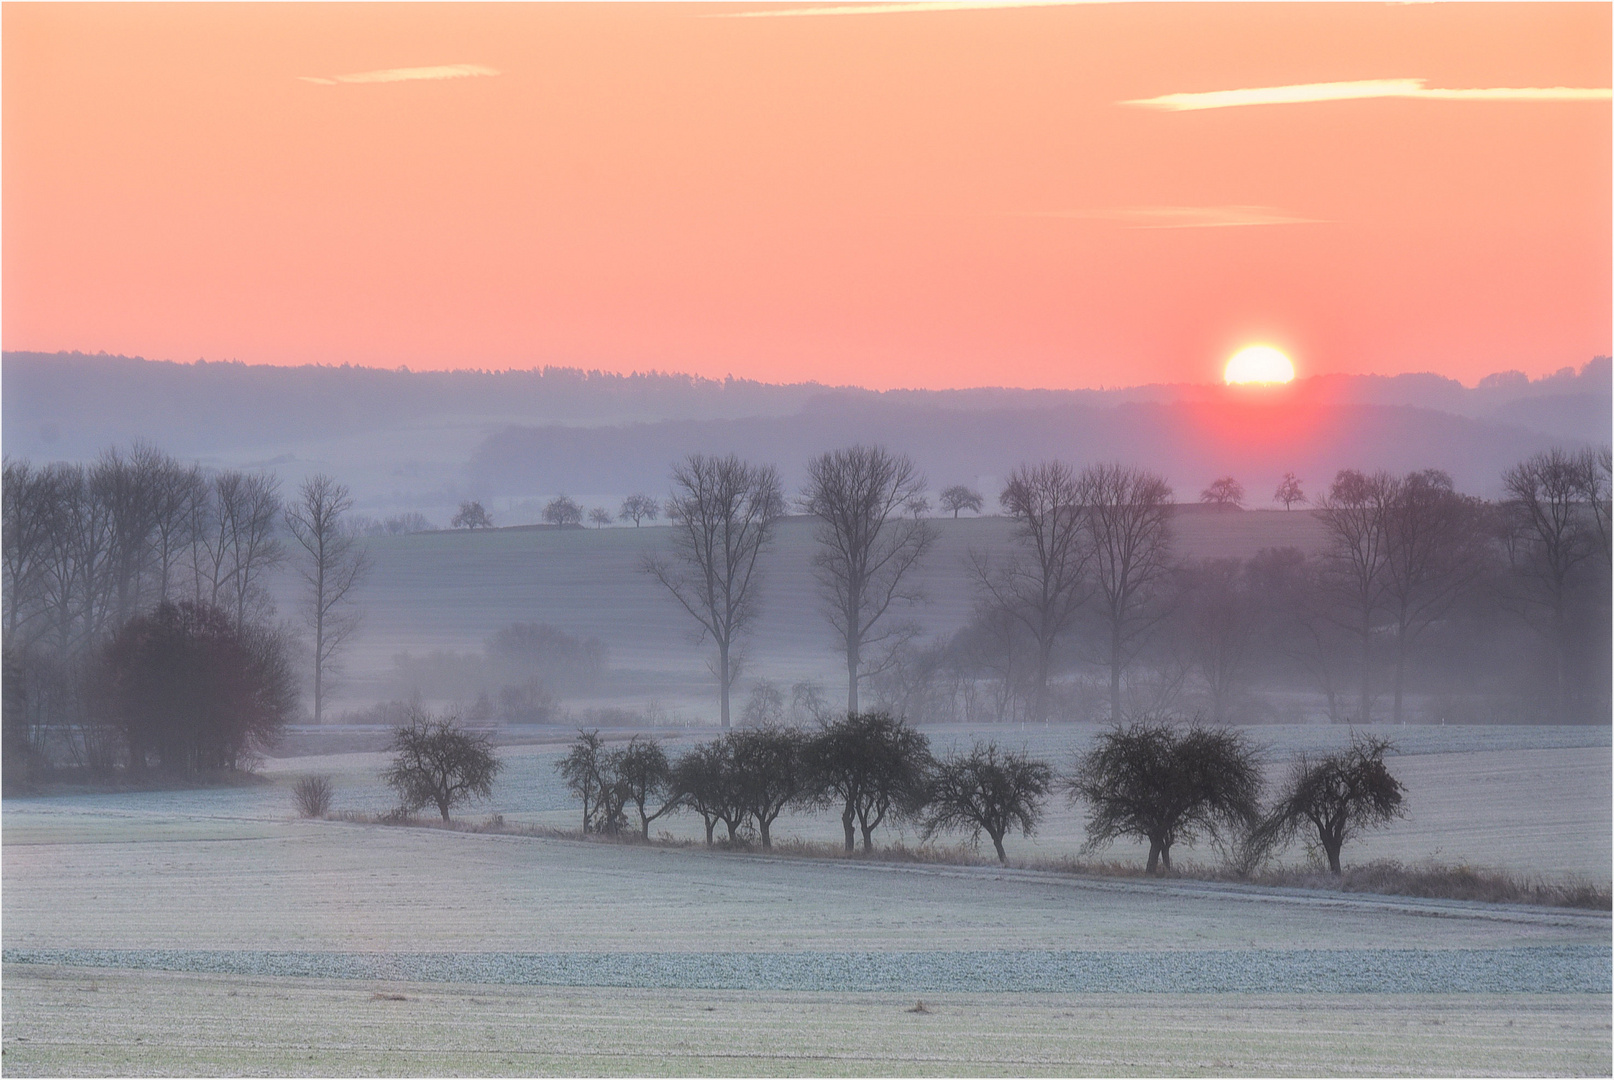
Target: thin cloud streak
(1183, 217)
(898, 8)
(389, 75)
(1303, 93)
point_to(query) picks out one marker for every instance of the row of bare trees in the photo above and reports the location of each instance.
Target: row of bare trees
(90, 549)
(1092, 578)
(1155, 781)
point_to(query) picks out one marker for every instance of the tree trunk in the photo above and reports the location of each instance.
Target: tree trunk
(1039, 707)
(1400, 672)
(723, 680)
(1115, 675)
(1365, 715)
(711, 823)
(1154, 857)
(442, 808)
(997, 842)
(846, 823)
(1331, 845)
(868, 839)
(762, 832)
(853, 662)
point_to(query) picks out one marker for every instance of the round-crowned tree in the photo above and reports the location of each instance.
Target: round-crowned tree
(438, 763)
(1334, 798)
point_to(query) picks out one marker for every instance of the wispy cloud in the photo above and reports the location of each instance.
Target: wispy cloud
(1182, 217)
(442, 71)
(892, 8)
(1365, 88)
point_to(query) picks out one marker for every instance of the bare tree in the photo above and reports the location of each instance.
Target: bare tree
(723, 512)
(1218, 620)
(866, 547)
(646, 777)
(1128, 518)
(1355, 513)
(706, 780)
(1289, 491)
(235, 545)
(1551, 532)
(871, 765)
(1045, 585)
(30, 498)
(958, 497)
(439, 763)
(333, 562)
(768, 763)
(600, 516)
(1337, 795)
(563, 512)
(1224, 493)
(989, 791)
(1434, 549)
(1159, 784)
(583, 770)
(471, 516)
(638, 508)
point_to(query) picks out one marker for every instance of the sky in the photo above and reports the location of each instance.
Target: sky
(928, 195)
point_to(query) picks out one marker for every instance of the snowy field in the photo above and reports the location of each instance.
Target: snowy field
(212, 932)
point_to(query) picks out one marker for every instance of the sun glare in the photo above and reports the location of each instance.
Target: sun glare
(1258, 364)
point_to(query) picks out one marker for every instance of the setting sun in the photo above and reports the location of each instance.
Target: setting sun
(1258, 364)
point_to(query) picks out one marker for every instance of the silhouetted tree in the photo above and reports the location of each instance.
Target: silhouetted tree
(471, 516)
(1337, 795)
(1551, 534)
(647, 778)
(872, 766)
(989, 791)
(1044, 586)
(561, 511)
(706, 781)
(1128, 518)
(1155, 782)
(600, 516)
(583, 770)
(1355, 514)
(333, 561)
(958, 497)
(723, 511)
(866, 548)
(767, 761)
(1225, 493)
(1218, 618)
(1435, 547)
(436, 762)
(638, 508)
(1289, 491)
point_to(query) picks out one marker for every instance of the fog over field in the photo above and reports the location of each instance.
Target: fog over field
(232, 589)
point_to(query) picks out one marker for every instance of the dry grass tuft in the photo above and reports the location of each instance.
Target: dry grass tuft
(919, 1007)
(379, 996)
(313, 795)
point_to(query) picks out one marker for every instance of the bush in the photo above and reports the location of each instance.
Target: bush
(313, 795)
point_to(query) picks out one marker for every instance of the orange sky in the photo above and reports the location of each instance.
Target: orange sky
(916, 198)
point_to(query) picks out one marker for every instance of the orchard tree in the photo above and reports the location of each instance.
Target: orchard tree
(1159, 783)
(958, 497)
(646, 777)
(471, 516)
(437, 762)
(871, 766)
(583, 770)
(1289, 491)
(638, 508)
(768, 765)
(1335, 797)
(562, 512)
(987, 790)
(600, 516)
(1224, 493)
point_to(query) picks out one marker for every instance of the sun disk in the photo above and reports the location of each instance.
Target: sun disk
(1258, 364)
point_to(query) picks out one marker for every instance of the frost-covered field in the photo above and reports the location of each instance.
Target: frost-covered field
(212, 932)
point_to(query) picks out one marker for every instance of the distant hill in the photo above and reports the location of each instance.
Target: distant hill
(424, 440)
